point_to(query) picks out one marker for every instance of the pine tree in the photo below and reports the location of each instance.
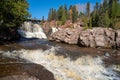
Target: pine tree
(95, 16)
(74, 14)
(88, 9)
(63, 17)
(66, 11)
(88, 13)
(106, 20)
(60, 12)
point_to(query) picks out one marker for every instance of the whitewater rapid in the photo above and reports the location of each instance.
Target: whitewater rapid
(64, 68)
(32, 30)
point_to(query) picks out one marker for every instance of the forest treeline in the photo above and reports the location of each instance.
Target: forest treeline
(106, 14)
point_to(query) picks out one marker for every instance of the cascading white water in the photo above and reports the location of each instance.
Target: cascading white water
(83, 68)
(54, 29)
(31, 30)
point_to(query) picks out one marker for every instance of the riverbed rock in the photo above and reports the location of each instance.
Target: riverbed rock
(66, 35)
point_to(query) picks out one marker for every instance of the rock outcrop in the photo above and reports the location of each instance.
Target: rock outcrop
(66, 35)
(96, 37)
(118, 38)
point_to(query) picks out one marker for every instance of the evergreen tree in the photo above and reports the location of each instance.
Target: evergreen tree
(60, 12)
(74, 14)
(106, 20)
(95, 16)
(13, 12)
(52, 14)
(88, 13)
(66, 11)
(63, 17)
(88, 9)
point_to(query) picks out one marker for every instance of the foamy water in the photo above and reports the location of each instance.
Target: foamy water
(30, 30)
(83, 68)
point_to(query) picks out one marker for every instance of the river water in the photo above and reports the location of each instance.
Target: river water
(65, 62)
(40, 59)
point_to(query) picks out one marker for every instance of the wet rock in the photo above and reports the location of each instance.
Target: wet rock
(18, 69)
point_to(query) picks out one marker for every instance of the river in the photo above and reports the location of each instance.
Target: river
(40, 59)
(65, 62)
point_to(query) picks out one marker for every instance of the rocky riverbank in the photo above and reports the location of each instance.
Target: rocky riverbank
(96, 37)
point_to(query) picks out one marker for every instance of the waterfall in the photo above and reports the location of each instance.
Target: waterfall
(31, 30)
(54, 29)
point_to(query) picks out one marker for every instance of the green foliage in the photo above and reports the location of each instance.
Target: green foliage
(63, 17)
(117, 25)
(88, 13)
(88, 9)
(85, 21)
(106, 14)
(74, 14)
(63, 14)
(95, 16)
(59, 23)
(107, 20)
(13, 12)
(60, 12)
(52, 15)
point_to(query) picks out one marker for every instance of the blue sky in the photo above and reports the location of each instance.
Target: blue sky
(39, 8)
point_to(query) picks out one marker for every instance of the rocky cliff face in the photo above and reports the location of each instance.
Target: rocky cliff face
(96, 37)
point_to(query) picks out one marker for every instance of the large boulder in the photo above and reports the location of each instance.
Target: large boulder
(97, 37)
(66, 35)
(104, 37)
(118, 38)
(86, 39)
